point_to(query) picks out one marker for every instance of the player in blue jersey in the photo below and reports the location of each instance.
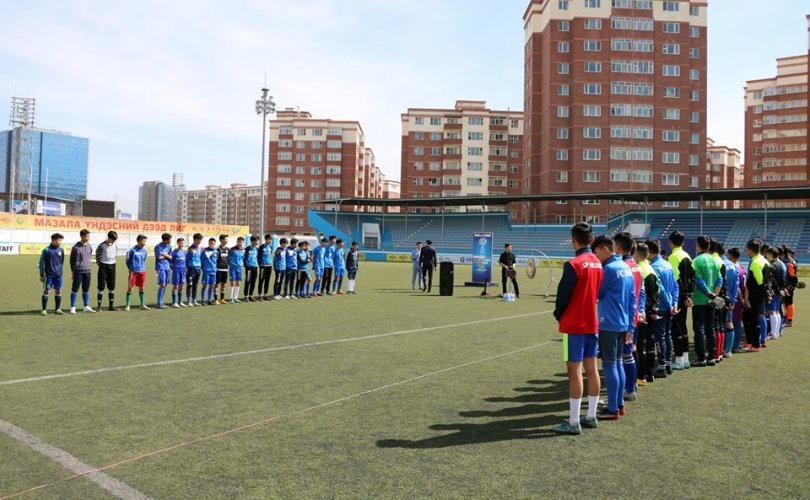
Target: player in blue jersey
(179, 259)
(291, 273)
(328, 265)
(193, 269)
(340, 267)
(163, 266)
(304, 262)
(236, 259)
(265, 267)
(280, 265)
(209, 258)
(51, 263)
(251, 268)
(352, 265)
(136, 264)
(318, 256)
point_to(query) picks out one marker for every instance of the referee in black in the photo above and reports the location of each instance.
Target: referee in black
(428, 262)
(507, 262)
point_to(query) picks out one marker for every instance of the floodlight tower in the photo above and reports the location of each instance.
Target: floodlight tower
(21, 120)
(264, 106)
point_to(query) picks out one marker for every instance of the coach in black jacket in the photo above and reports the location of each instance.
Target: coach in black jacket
(507, 262)
(428, 262)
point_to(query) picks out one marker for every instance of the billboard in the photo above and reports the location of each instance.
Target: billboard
(51, 208)
(482, 258)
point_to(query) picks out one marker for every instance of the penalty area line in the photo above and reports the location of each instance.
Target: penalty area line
(260, 351)
(278, 417)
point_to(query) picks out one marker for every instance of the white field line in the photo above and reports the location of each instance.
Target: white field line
(70, 463)
(260, 351)
(91, 471)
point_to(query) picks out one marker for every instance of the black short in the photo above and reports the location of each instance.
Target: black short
(106, 277)
(222, 276)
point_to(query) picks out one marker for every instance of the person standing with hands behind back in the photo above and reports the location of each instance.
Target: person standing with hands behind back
(508, 262)
(428, 263)
(416, 274)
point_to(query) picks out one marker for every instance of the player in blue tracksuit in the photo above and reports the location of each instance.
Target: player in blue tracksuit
(251, 268)
(667, 308)
(236, 260)
(733, 292)
(318, 265)
(616, 308)
(340, 267)
(291, 269)
(179, 277)
(193, 269)
(209, 258)
(280, 265)
(163, 266)
(328, 265)
(51, 264)
(265, 267)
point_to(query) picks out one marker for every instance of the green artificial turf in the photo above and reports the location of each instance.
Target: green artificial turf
(481, 430)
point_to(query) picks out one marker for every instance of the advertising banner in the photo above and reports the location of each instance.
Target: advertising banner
(63, 224)
(9, 249)
(482, 258)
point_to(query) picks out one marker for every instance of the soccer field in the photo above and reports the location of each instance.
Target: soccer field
(385, 394)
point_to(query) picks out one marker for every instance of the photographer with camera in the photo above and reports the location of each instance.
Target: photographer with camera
(508, 262)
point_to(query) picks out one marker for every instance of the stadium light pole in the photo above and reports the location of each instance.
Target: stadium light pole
(264, 106)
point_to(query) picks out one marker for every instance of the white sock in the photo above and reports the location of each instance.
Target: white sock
(593, 402)
(351, 285)
(574, 406)
(775, 320)
(236, 291)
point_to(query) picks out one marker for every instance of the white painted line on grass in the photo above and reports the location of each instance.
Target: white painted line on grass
(90, 471)
(70, 463)
(259, 351)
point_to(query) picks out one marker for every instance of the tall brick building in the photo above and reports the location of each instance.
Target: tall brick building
(238, 204)
(615, 99)
(469, 150)
(776, 123)
(313, 161)
(723, 171)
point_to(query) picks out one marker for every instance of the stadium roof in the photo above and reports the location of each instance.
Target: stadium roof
(780, 193)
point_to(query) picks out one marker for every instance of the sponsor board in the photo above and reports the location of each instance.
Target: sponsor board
(33, 248)
(9, 249)
(398, 257)
(23, 221)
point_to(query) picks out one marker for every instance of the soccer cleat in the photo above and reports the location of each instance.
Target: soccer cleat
(126, 308)
(88, 309)
(328, 293)
(176, 306)
(752, 349)
(232, 301)
(630, 396)
(762, 345)
(72, 310)
(686, 364)
(641, 382)
(237, 301)
(700, 364)
(727, 355)
(182, 304)
(590, 423)
(159, 306)
(650, 378)
(606, 414)
(622, 411)
(710, 362)
(58, 312)
(677, 366)
(660, 373)
(286, 297)
(43, 312)
(565, 427)
(338, 293)
(669, 370)
(144, 307)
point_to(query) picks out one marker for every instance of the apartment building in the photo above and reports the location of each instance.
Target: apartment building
(236, 205)
(724, 170)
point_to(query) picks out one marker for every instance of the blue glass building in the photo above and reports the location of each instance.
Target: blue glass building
(59, 158)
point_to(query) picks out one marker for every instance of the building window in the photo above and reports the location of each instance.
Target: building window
(672, 27)
(620, 154)
(563, 47)
(474, 181)
(313, 183)
(642, 154)
(592, 88)
(694, 95)
(435, 136)
(672, 114)
(591, 176)
(694, 53)
(563, 4)
(593, 24)
(317, 132)
(475, 120)
(671, 136)
(562, 111)
(592, 154)
(282, 221)
(593, 67)
(564, 25)
(301, 131)
(475, 136)
(672, 92)
(642, 176)
(419, 120)
(561, 176)
(332, 170)
(694, 117)
(592, 46)
(283, 181)
(435, 166)
(284, 155)
(592, 133)
(418, 166)
(282, 207)
(332, 182)
(562, 154)
(475, 166)
(620, 131)
(591, 110)
(417, 181)
(561, 219)
(694, 74)
(284, 143)
(694, 160)
(593, 4)
(621, 110)
(668, 157)
(671, 70)
(475, 151)
(418, 151)
(562, 133)
(643, 133)
(671, 6)
(694, 32)
(694, 182)
(671, 49)
(435, 120)
(316, 158)
(300, 170)
(338, 156)
(694, 10)
(563, 68)
(434, 151)
(284, 169)
(621, 88)
(670, 179)
(562, 89)
(694, 139)
(285, 130)
(282, 195)
(619, 176)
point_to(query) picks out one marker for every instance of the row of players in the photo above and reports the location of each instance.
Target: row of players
(215, 266)
(622, 301)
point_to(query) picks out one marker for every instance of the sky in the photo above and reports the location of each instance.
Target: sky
(170, 86)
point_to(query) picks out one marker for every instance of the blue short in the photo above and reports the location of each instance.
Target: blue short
(577, 348)
(209, 278)
(179, 277)
(318, 272)
(53, 283)
(235, 273)
(339, 273)
(353, 274)
(775, 305)
(163, 276)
